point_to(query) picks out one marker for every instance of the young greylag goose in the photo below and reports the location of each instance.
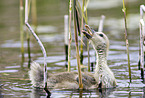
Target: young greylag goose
(103, 74)
(102, 78)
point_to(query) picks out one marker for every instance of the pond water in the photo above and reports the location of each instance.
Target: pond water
(14, 80)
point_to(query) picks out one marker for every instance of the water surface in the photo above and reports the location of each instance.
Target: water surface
(14, 80)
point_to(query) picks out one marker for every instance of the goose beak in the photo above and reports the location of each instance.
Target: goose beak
(86, 34)
(89, 32)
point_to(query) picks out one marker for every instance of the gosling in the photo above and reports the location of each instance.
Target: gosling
(103, 77)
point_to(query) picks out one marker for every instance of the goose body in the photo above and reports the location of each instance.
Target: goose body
(103, 77)
(63, 80)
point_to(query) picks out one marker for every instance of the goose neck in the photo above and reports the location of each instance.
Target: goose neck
(101, 61)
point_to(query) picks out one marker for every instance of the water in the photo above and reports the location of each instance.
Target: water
(14, 80)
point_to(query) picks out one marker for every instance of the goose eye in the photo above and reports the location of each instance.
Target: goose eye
(101, 35)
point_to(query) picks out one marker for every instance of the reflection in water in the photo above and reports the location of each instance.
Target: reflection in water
(104, 93)
(1, 96)
(144, 92)
(10, 44)
(37, 93)
(81, 93)
(29, 50)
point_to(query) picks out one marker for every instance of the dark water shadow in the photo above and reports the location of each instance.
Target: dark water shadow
(101, 93)
(144, 92)
(105, 92)
(38, 93)
(1, 96)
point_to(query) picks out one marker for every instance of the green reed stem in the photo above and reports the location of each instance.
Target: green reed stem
(43, 51)
(142, 48)
(142, 8)
(88, 48)
(28, 38)
(66, 38)
(28, 48)
(22, 30)
(70, 37)
(126, 38)
(101, 24)
(82, 35)
(34, 14)
(77, 48)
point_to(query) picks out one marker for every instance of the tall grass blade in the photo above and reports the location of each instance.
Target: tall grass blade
(88, 48)
(66, 35)
(142, 8)
(28, 49)
(126, 38)
(76, 42)
(82, 35)
(70, 37)
(27, 10)
(142, 48)
(34, 14)
(101, 24)
(22, 30)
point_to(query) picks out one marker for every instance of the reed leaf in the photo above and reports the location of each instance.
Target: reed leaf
(126, 38)
(142, 8)
(70, 37)
(22, 30)
(66, 35)
(101, 24)
(82, 35)
(34, 14)
(76, 42)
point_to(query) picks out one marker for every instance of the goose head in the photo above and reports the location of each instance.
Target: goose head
(99, 40)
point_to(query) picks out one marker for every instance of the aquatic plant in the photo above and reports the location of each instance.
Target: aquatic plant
(79, 22)
(40, 43)
(76, 43)
(82, 13)
(28, 38)
(70, 37)
(34, 14)
(100, 29)
(88, 48)
(66, 34)
(28, 47)
(22, 34)
(141, 26)
(126, 38)
(82, 35)
(22, 30)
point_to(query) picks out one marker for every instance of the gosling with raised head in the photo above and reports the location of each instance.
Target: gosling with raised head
(103, 77)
